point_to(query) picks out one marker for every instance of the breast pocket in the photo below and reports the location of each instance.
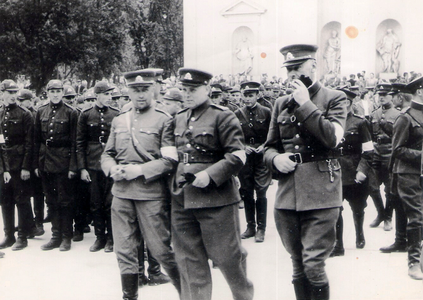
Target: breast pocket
(44, 125)
(93, 129)
(204, 136)
(149, 137)
(287, 129)
(123, 138)
(61, 125)
(16, 127)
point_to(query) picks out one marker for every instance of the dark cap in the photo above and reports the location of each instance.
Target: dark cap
(397, 88)
(194, 77)
(9, 85)
(89, 95)
(25, 95)
(124, 92)
(143, 77)
(116, 94)
(354, 88)
(226, 88)
(268, 86)
(276, 86)
(235, 89)
(350, 94)
(68, 90)
(216, 90)
(80, 100)
(298, 53)
(250, 86)
(173, 94)
(383, 88)
(54, 84)
(415, 85)
(102, 87)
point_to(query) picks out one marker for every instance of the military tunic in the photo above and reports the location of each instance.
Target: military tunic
(208, 138)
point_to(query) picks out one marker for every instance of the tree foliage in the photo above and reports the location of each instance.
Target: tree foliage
(89, 39)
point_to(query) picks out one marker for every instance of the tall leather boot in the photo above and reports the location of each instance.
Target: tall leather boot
(360, 242)
(129, 286)
(377, 200)
(25, 221)
(250, 212)
(339, 250)
(302, 288)
(142, 278)
(414, 251)
(175, 277)
(56, 238)
(261, 206)
(155, 275)
(320, 292)
(8, 213)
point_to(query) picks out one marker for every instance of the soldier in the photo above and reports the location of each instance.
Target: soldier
(254, 176)
(115, 98)
(406, 150)
(139, 152)
(236, 96)
(205, 217)
(92, 134)
(306, 126)
(55, 162)
(226, 98)
(216, 94)
(17, 145)
(173, 101)
(382, 121)
(262, 101)
(356, 151)
(69, 95)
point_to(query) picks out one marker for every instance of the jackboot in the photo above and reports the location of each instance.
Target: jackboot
(52, 244)
(8, 241)
(65, 245)
(377, 200)
(129, 286)
(109, 245)
(414, 251)
(20, 244)
(98, 244)
(360, 242)
(259, 237)
(1, 254)
(320, 292)
(261, 206)
(175, 277)
(339, 250)
(302, 288)
(8, 214)
(249, 232)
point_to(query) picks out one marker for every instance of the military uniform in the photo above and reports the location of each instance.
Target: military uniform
(406, 150)
(17, 129)
(309, 197)
(55, 157)
(255, 175)
(141, 138)
(92, 134)
(208, 138)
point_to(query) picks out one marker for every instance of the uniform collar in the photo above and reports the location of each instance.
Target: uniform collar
(314, 88)
(416, 105)
(101, 109)
(196, 112)
(11, 106)
(387, 105)
(57, 105)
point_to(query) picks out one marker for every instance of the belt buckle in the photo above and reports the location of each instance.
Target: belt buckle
(186, 157)
(100, 139)
(297, 158)
(48, 141)
(252, 141)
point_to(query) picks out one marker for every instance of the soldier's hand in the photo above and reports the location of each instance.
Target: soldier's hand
(202, 179)
(85, 176)
(283, 163)
(6, 177)
(360, 177)
(249, 150)
(25, 174)
(132, 171)
(300, 93)
(259, 149)
(37, 172)
(71, 174)
(117, 173)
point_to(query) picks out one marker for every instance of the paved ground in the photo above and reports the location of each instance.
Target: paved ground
(81, 275)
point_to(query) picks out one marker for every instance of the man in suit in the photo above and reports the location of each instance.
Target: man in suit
(305, 128)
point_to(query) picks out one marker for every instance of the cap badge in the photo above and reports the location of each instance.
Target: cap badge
(188, 76)
(138, 79)
(289, 56)
(247, 87)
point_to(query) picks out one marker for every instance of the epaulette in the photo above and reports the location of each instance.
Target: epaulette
(24, 108)
(219, 106)
(125, 111)
(73, 108)
(114, 108)
(358, 116)
(86, 109)
(164, 112)
(182, 110)
(42, 105)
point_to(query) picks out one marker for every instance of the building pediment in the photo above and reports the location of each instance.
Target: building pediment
(243, 7)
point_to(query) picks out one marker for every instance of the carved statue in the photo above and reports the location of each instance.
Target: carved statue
(244, 55)
(389, 48)
(332, 55)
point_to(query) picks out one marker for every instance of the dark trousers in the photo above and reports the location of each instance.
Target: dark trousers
(81, 204)
(400, 215)
(209, 233)
(16, 192)
(410, 193)
(100, 203)
(58, 189)
(255, 177)
(309, 237)
(380, 174)
(38, 198)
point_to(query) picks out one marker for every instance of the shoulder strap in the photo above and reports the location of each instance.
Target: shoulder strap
(138, 147)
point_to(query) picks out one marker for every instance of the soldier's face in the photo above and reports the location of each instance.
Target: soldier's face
(216, 98)
(10, 97)
(172, 107)
(236, 97)
(385, 99)
(250, 98)
(123, 100)
(104, 99)
(194, 96)
(308, 69)
(141, 96)
(55, 95)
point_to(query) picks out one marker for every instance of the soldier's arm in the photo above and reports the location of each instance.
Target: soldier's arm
(81, 141)
(28, 122)
(109, 154)
(232, 140)
(364, 166)
(37, 140)
(73, 166)
(400, 139)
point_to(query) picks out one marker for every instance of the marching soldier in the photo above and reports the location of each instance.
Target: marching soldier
(16, 151)
(356, 150)
(139, 152)
(205, 217)
(55, 162)
(254, 176)
(305, 128)
(92, 134)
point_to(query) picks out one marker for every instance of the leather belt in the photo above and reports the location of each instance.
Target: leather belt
(101, 139)
(383, 140)
(57, 144)
(192, 158)
(301, 158)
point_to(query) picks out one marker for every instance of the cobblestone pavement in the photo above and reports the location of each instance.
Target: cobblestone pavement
(33, 274)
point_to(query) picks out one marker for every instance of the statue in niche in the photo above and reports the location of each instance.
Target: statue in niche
(244, 55)
(332, 55)
(389, 48)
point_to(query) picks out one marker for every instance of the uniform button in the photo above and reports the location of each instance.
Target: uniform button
(51, 124)
(148, 131)
(102, 132)
(193, 119)
(299, 124)
(102, 125)
(54, 111)
(5, 131)
(51, 130)
(283, 122)
(296, 147)
(297, 135)
(52, 118)
(102, 119)
(101, 114)
(134, 128)
(188, 145)
(191, 127)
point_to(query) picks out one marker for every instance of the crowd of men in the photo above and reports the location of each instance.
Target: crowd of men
(166, 170)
